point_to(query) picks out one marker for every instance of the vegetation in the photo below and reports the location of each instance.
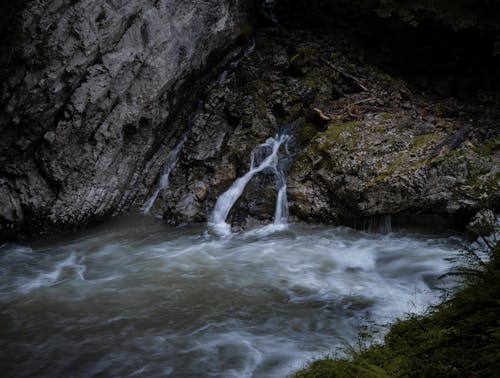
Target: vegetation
(458, 338)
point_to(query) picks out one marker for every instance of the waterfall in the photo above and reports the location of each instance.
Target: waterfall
(227, 200)
(381, 224)
(234, 64)
(281, 212)
(172, 158)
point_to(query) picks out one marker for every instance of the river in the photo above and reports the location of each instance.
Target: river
(134, 297)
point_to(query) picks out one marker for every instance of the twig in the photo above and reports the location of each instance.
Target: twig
(354, 104)
(354, 79)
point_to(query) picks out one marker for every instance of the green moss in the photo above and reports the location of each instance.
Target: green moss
(402, 164)
(386, 115)
(449, 157)
(295, 111)
(132, 18)
(423, 141)
(396, 163)
(101, 16)
(302, 60)
(384, 77)
(459, 338)
(306, 132)
(301, 166)
(488, 148)
(304, 52)
(329, 368)
(346, 134)
(483, 187)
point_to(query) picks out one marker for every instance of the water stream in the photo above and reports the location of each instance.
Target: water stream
(263, 156)
(172, 159)
(224, 75)
(137, 298)
(173, 156)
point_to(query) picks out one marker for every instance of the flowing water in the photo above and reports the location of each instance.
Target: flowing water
(264, 156)
(224, 75)
(138, 298)
(172, 159)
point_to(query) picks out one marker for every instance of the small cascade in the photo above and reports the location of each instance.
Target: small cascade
(172, 158)
(380, 224)
(263, 156)
(234, 64)
(281, 212)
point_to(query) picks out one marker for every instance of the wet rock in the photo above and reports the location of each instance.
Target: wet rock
(424, 128)
(96, 145)
(483, 223)
(91, 108)
(50, 137)
(360, 156)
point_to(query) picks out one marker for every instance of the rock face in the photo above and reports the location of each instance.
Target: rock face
(99, 92)
(483, 223)
(90, 99)
(365, 146)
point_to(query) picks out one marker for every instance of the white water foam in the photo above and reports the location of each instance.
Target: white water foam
(226, 200)
(54, 275)
(180, 303)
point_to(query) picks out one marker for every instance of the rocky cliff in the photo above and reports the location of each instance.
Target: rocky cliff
(97, 94)
(365, 145)
(90, 96)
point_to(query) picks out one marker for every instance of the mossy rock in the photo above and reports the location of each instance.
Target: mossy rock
(341, 369)
(302, 60)
(346, 134)
(306, 132)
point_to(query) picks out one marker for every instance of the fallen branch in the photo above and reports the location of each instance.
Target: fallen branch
(349, 106)
(315, 115)
(351, 78)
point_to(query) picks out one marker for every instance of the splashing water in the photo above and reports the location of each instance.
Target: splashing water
(227, 200)
(281, 213)
(135, 297)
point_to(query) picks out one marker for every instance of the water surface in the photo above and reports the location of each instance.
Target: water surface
(137, 298)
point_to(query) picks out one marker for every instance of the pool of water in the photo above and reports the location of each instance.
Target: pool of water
(137, 298)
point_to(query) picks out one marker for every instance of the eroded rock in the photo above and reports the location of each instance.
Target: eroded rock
(374, 157)
(88, 108)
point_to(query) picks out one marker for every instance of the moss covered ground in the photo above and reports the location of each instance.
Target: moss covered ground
(458, 338)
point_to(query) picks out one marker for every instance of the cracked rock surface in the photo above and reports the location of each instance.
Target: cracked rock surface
(88, 102)
(376, 148)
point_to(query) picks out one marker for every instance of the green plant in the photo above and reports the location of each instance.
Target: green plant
(458, 338)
